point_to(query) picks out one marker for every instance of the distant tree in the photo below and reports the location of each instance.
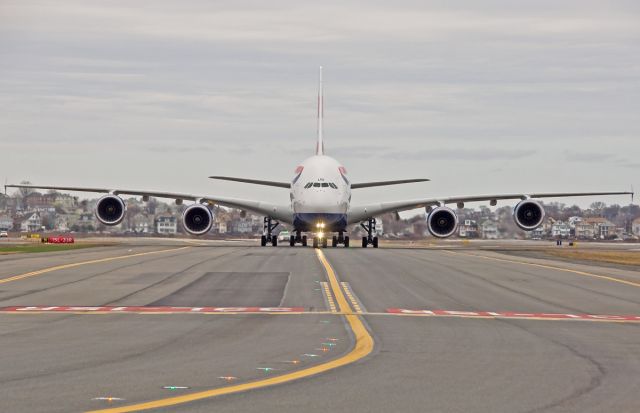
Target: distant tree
(485, 211)
(554, 209)
(572, 211)
(25, 191)
(152, 205)
(597, 207)
(133, 209)
(419, 227)
(611, 212)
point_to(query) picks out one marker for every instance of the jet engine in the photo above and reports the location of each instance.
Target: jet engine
(528, 214)
(442, 222)
(110, 210)
(197, 219)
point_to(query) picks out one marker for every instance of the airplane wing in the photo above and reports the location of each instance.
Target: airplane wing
(288, 185)
(360, 213)
(385, 183)
(282, 213)
(253, 181)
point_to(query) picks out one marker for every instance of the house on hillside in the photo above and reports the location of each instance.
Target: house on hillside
(584, 230)
(166, 225)
(489, 230)
(142, 223)
(635, 226)
(85, 222)
(560, 229)
(241, 226)
(6, 223)
(602, 227)
(468, 229)
(31, 222)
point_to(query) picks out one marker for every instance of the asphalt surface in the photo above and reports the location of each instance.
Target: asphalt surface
(75, 361)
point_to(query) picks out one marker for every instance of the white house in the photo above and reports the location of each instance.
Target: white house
(142, 224)
(489, 230)
(468, 229)
(166, 225)
(560, 229)
(31, 222)
(635, 226)
(6, 223)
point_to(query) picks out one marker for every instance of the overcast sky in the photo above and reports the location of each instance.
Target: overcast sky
(479, 96)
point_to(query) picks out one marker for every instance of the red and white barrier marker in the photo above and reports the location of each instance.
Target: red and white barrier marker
(59, 240)
(491, 314)
(144, 309)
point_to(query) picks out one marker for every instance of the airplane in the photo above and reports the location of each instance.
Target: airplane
(320, 203)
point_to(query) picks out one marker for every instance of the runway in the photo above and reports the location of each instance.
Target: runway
(231, 327)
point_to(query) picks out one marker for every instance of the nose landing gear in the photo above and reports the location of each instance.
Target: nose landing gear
(370, 239)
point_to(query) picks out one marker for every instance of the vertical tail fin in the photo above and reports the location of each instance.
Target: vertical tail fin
(320, 143)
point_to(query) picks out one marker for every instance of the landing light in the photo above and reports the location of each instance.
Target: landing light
(320, 234)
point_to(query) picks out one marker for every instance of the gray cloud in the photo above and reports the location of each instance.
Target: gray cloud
(505, 88)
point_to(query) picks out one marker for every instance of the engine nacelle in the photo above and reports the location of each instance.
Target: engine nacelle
(197, 219)
(442, 222)
(528, 214)
(110, 210)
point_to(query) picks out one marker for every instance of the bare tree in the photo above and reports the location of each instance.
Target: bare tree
(22, 192)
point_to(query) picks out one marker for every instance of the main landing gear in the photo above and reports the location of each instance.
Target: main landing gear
(268, 237)
(340, 239)
(370, 239)
(298, 239)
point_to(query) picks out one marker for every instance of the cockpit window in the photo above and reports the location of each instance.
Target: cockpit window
(320, 185)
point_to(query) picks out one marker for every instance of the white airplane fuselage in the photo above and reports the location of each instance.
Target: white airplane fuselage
(320, 195)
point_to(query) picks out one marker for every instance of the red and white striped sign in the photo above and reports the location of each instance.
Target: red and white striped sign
(491, 314)
(59, 240)
(146, 309)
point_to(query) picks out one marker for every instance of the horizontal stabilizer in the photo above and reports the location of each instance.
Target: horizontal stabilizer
(253, 181)
(385, 183)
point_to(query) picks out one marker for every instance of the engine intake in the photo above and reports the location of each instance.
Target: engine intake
(528, 214)
(442, 222)
(197, 219)
(110, 210)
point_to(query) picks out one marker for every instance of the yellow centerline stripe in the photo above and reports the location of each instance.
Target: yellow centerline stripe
(78, 264)
(330, 301)
(362, 348)
(551, 267)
